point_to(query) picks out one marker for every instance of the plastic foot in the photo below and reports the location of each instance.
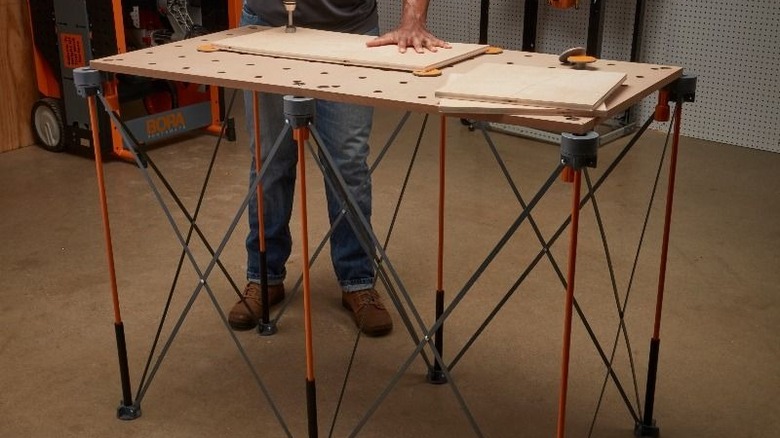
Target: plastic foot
(436, 377)
(647, 430)
(267, 329)
(127, 413)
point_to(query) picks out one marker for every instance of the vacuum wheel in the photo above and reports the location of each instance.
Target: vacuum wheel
(48, 124)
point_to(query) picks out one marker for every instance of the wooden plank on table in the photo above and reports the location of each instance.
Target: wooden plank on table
(563, 88)
(343, 48)
(465, 106)
(17, 76)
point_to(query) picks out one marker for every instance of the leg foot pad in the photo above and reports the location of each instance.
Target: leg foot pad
(268, 329)
(127, 413)
(436, 377)
(646, 430)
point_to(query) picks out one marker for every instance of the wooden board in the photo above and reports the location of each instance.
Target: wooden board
(535, 86)
(17, 76)
(342, 48)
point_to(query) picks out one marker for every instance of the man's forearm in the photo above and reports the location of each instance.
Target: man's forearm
(414, 11)
(411, 31)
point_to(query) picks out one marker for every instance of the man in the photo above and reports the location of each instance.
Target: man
(345, 129)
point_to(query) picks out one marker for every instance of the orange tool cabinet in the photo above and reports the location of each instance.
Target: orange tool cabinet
(67, 34)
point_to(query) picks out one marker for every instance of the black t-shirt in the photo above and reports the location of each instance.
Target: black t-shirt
(353, 16)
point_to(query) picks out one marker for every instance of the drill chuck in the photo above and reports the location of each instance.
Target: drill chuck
(289, 6)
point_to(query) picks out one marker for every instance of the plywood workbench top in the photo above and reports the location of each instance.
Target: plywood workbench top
(182, 61)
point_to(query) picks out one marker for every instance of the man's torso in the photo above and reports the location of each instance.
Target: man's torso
(354, 16)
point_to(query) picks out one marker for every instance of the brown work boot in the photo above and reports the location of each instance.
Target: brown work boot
(368, 311)
(246, 313)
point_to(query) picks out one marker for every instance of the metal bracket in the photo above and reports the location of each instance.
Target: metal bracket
(579, 150)
(683, 89)
(298, 110)
(87, 81)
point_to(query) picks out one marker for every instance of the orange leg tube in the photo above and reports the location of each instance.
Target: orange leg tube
(667, 221)
(126, 410)
(648, 427)
(436, 375)
(265, 327)
(575, 217)
(301, 135)
(215, 128)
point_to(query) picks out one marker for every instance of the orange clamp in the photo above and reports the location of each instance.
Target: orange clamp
(564, 4)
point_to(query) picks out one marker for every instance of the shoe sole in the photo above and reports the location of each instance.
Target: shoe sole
(241, 327)
(379, 331)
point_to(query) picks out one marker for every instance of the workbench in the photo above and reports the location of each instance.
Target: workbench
(187, 61)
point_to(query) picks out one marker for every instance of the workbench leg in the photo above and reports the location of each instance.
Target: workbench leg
(436, 375)
(266, 327)
(683, 89)
(299, 112)
(88, 82)
(577, 151)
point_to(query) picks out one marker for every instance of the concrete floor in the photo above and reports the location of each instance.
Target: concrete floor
(719, 367)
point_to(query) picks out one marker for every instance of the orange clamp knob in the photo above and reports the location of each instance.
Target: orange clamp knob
(564, 4)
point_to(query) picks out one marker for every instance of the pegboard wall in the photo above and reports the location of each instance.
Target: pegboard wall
(732, 48)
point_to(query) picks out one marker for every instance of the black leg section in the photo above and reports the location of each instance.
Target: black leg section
(647, 427)
(126, 410)
(436, 374)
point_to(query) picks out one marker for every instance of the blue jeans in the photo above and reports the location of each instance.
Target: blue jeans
(344, 129)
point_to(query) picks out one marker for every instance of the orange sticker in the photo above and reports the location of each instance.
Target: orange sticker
(72, 48)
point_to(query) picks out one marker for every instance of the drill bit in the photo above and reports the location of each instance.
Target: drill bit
(289, 6)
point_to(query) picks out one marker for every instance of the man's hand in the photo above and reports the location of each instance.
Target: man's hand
(415, 35)
(411, 32)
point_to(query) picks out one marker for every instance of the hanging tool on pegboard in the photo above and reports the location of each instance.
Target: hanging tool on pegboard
(564, 4)
(178, 14)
